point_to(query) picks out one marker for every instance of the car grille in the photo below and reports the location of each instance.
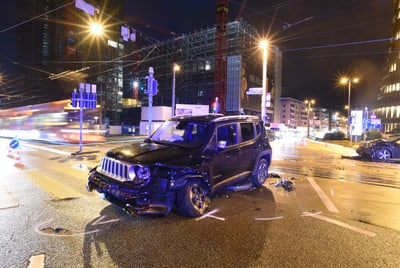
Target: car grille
(114, 168)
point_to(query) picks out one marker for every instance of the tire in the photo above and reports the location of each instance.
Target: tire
(192, 199)
(383, 154)
(261, 174)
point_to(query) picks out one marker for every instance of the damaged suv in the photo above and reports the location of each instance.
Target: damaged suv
(183, 163)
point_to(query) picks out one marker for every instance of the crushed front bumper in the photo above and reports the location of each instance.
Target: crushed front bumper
(155, 199)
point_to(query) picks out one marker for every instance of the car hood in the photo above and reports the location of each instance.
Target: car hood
(151, 153)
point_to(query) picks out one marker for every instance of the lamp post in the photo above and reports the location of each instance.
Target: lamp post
(365, 123)
(309, 102)
(96, 29)
(176, 68)
(348, 81)
(264, 46)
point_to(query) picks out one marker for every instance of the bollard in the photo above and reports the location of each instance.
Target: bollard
(18, 160)
(10, 152)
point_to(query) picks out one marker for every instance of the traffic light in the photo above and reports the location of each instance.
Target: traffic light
(215, 106)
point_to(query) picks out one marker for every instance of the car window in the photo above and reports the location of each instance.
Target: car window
(258, 129)
(184, 133)
(227, 133)
(247, 131)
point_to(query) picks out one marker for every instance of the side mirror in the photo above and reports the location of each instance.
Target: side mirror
(221, 145)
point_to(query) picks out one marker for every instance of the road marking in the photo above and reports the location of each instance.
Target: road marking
(100, 220)
(269, 219)
(6, 200)
(55, 232)
(39, 230)
(52, 186)
(48, 149)
(342, 224)
(325, 199)
(36, 261)
(210, 215)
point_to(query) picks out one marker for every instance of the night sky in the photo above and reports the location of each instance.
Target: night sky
(320, 39)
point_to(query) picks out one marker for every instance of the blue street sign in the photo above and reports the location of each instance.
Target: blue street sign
(86, 98)
(14, 144)
(151, 86)
(374, 123)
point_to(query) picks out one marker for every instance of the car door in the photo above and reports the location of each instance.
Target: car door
(248, 146)
(224, 162)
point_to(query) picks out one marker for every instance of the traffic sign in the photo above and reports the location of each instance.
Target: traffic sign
(14, 144)
(86, 98)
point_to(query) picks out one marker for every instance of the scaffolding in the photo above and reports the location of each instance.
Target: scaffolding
(196, 55)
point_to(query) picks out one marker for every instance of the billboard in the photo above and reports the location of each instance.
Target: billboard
(356, 122)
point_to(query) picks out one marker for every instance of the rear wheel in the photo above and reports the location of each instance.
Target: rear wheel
(261, 174)
(192, 199)
(383, 154)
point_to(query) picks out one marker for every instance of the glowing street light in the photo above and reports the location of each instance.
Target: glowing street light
(96, 28)
(309, 109)
(176, 68)
(348, 81)
(264, 46)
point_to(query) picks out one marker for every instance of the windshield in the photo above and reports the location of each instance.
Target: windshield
(182, 133)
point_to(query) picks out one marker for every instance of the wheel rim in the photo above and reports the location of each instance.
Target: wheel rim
(198, 198)
(262, 173)
(384, 154)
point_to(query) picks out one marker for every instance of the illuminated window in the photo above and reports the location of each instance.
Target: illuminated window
(393, 68)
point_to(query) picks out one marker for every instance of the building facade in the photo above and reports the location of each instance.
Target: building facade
(195, 54)
(294, 114)
(388, 103)
(56, 51)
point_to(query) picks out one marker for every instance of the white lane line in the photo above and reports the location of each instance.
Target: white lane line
(48, 149)
(269, 219)
(36, 261)
(342, 224)
(325, 199)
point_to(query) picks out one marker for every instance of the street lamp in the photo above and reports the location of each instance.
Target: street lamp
(176, 68)
(96, 28)
(264, 46)
(348, 81)
(309, 102)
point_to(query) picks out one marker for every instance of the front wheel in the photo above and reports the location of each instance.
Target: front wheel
(383, 154)
(192, 199)
(261, 174)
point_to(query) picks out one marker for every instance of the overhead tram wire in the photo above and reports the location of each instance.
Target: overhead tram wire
(337, 45)
(36, 17)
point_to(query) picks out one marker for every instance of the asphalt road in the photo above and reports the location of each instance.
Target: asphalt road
(340, 213)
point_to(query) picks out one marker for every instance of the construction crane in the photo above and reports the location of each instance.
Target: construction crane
(220, 54)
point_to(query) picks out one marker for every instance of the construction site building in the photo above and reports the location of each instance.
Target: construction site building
(195, 53)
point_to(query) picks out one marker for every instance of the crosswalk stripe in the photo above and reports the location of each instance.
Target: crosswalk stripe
(51, 186)
(6, 200)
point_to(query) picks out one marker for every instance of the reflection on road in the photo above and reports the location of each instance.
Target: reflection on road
(325, 161)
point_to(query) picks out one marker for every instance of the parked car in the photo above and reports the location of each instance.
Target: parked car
(183, 163)
(380, 149)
